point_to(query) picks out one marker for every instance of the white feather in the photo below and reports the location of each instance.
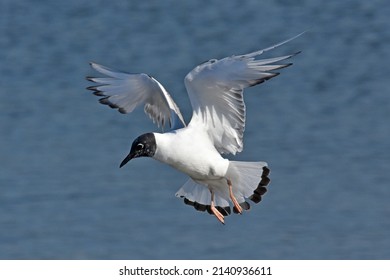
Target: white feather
(216, 90)
(128, 91)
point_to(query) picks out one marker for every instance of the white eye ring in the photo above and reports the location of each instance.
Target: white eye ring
(139, 146)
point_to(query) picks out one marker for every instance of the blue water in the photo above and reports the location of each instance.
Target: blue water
(322, 125)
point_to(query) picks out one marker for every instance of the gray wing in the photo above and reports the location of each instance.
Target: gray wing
(216, 90)
(126, 92)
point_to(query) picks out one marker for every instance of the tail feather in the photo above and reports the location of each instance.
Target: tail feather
(249, 181)
(261, 188)
(198, 196)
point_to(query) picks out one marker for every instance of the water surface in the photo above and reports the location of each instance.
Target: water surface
(322, 126)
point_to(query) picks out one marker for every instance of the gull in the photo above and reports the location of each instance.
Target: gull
(215, 89)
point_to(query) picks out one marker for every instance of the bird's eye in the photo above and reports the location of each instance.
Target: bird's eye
(213, 60)
(139, 147)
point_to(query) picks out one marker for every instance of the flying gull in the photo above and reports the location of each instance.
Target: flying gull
(215, 89)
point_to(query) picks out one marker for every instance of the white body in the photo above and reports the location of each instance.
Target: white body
(186, 150)
(191, 151)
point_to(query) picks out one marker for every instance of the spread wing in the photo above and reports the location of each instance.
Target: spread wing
(125, 92)
(216, 90)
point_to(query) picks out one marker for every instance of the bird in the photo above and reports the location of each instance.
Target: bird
(215, 89)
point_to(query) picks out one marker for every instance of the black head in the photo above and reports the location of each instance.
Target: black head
(143, 146)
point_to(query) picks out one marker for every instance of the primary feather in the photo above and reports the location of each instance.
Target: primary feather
(216, 90)
(125, 92)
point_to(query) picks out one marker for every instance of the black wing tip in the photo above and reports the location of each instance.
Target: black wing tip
(105, 101)
(274, 74)
(263, 79)
(296, 53)
(92, 88)
(92, 63)
(290, 56)
(95, 91)
(285, 65)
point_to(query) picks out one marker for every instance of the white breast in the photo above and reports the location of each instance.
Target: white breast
(190, 151)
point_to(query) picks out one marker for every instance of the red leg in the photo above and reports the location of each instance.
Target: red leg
(232, 197)
(215, 211)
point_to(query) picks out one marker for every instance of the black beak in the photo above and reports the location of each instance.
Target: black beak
(127, 159)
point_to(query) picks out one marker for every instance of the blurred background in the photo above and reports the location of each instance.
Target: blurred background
(322, 126)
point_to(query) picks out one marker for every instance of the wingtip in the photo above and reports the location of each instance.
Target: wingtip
(94, 90)
(296, 53)
(272, 75)
(259, 52)
(285, 65)
(95, 65)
